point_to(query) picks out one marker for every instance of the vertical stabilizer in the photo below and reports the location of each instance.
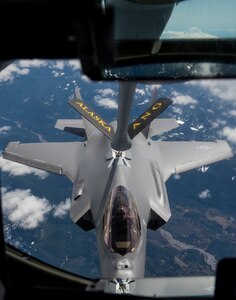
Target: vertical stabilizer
(90, 117)
(148, 116)
(153, 98)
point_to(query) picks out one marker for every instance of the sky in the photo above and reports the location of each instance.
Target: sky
(210, 16)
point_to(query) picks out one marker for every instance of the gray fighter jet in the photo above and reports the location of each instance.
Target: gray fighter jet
(118, 173)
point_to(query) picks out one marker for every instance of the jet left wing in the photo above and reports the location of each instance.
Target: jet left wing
(178, 157)
(59, 158)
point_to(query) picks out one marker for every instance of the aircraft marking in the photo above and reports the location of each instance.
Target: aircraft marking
(91, 116)
(150, 114)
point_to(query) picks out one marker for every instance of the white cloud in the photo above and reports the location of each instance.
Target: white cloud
(182, 99)
(205, 194)
(62, 208)
(9, 73)
(143, 102)
(140, 91)
(180, 122)
(24, 209)
(232, 113)
(229, 133)
(16, 169)
(20, 68)
(177, 177)
(74, 64)
(29, 63)
(85, 78)
(106, 92)
(57, 74)
(214, 124)
(59, 64)
(153, 87)
(221, 122)
(177, 110)
(107, 103)
(194, 129)
(4, 129)
(225, 89)
(203, 169)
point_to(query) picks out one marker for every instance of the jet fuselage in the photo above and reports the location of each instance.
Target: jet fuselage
(129, 171)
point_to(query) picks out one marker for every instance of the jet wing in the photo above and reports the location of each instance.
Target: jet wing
(59, 158)
(159, 126)
(178, 157)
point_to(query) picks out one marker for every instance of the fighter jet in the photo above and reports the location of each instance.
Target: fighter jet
(119, 173)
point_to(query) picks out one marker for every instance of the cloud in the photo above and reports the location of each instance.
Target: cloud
(182, 99)
(205, 194)
(103, 99)
(107, 103)
(59, 64)
(177, 177)
(30, 63)
(24, 209)
(140, 91)
(74, 64)
(4, 129)
(229, 133)
(153, 87)
(224, 89)
(85, 78)
(194, 129)
(203, 169)
(20, 68)
(180, 122)
(232, 113)
(57, 74)
(143, 102)
(62, 209)
(16, 169)
(106, 92)
(9, 73)
(177, 110)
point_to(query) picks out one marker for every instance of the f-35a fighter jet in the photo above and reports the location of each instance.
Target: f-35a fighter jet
(118, 174)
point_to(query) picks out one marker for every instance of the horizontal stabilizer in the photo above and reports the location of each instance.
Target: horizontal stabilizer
(92, 117)
(73, 126)
(160, 126)
(148, 116)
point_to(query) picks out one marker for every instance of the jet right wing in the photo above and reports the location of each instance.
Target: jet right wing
(59, 158)
(159, 126)
(178, 157)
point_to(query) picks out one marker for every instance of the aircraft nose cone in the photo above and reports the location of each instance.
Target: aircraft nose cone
(123, 269)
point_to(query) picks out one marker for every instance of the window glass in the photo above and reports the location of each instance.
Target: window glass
(201, 230)
(121, 224)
